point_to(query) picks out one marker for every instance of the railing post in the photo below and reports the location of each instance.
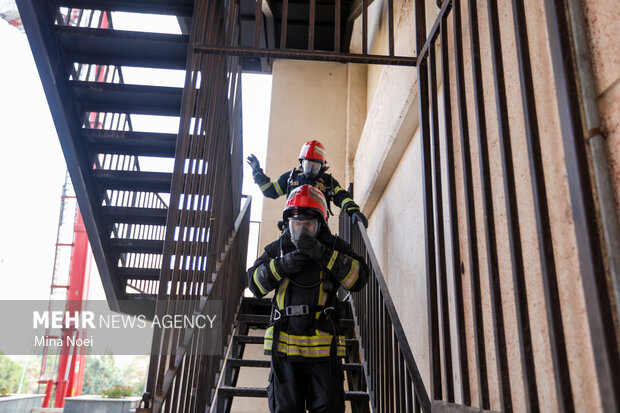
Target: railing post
(400, 384)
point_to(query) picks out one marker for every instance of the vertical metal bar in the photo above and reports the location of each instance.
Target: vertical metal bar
(390, 16)
(474, 273)
(382, 355)
(603, 187)
(284, 24)
(68, 16)
(79, 18)
(375, 355)
(398, 377)
(454, 227)
(231, 24)
(337, 24)
(427, 196)
(257, 22)
(311, 21)
(364, 27)
(598, 306)
(487, 207)
(190, 367)
(512, 215)
(210, 153)
(543, 226)
(90, 18)
(439, 205)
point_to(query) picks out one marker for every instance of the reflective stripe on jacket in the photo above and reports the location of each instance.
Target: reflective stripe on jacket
(290, 180)
(315, 285)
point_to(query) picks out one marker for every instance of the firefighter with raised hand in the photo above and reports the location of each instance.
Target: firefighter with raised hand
(312, 170)
(305, 267)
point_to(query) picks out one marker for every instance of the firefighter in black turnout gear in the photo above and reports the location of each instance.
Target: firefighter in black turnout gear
(312, 170)
(305, 267)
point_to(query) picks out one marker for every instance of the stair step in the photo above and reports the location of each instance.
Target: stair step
(257, 301)
(249, 339)
(137, 245)
(123, 48)
(131, 143)
(171, 7)
(232, 362)
(252, 305)
(247, 363)
(150, 274)
(125, 98)
(139, 297)
(225, 391)
(133, 180)
(260, 340)
(145, 216)
(254, 320)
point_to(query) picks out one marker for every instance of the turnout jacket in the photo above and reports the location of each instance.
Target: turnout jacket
(307, 337)
(324, 182)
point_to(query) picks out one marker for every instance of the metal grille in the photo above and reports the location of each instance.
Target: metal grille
(394, 381)
(204, 249)
(450, 95)
(272, 37)
(441, 59)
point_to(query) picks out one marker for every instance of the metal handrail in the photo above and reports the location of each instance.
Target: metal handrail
(227, 286)
(392, 374)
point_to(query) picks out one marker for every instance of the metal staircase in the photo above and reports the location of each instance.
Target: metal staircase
(81, 56)
(254, 313)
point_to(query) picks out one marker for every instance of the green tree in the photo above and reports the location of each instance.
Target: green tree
(10, 373)
(100, 373)
(135, 370)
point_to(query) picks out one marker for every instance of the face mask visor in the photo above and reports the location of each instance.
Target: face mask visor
(303, 224)
(311, 168)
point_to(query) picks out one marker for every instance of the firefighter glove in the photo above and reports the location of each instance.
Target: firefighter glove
(292, 262)
(358, 216)
(253, 162)
(311, 247)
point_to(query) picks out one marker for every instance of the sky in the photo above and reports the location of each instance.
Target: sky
(32, 167)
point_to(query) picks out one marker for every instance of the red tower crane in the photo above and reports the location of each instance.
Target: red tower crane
(69, 288)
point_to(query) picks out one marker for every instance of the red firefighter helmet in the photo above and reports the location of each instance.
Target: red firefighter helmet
(306, 200)
(313, 150)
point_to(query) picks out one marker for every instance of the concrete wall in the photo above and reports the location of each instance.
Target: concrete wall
(381, 155)
(603, 20)
(20, 403)
(308, 101)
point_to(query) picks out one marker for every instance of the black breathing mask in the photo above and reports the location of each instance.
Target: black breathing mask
(303, 224)
(311, 168)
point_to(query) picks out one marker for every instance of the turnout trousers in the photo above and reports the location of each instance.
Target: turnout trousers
(306, 386)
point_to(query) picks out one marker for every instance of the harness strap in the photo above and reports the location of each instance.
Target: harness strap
(291, 176)
(295, 311)
(275, 357)
(333, 350)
